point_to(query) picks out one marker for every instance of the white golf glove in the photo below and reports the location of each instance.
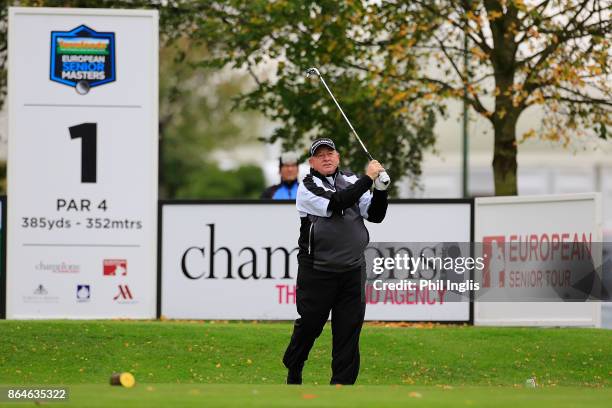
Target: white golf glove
(382, 181)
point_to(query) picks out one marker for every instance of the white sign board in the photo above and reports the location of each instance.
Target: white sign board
(522, 219)
(82, 164)
(239, 261)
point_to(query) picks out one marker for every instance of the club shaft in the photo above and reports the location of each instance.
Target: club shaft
(344, 116)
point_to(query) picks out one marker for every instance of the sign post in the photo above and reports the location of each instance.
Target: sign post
(82, 164)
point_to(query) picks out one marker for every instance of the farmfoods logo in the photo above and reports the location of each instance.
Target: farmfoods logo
(82, 58)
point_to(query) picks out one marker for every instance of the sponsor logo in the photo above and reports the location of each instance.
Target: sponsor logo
(494, 254)
(58, 267)
(83, 293)
(40, 294)
(115, 267)
(535, 260)
(82, 58)
(124, 295)
(200, 262)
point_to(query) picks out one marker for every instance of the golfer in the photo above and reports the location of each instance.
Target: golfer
(332, 205)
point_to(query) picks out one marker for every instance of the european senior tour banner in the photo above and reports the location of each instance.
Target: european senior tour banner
(543, 260)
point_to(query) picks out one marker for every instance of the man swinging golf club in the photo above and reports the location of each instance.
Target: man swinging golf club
(332, 205)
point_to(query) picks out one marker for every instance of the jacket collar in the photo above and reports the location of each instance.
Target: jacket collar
(324, 178)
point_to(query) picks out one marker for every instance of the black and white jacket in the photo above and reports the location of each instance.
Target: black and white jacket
(333, 236)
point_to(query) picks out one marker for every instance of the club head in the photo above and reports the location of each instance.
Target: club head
(312, 71)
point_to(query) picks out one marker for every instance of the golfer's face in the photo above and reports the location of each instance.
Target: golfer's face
(325, 160)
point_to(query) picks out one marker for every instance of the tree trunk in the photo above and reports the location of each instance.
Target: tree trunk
(504, 156)
(506, 114)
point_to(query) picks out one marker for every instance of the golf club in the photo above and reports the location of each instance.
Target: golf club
(383, 176)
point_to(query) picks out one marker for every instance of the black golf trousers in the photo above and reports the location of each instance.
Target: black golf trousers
(318, 293)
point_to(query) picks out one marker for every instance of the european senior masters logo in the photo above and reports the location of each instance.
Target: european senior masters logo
(82, 58)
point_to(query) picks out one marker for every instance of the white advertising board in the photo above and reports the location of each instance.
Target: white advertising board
(82, 163)
(521, 219)
(260, 240)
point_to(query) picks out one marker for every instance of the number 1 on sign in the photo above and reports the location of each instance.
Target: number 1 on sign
(87, 132)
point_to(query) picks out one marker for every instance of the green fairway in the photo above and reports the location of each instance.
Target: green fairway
(73, 352)
(241, 362)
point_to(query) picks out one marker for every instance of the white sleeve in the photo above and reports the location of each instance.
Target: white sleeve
(310, 203)
(364, 204)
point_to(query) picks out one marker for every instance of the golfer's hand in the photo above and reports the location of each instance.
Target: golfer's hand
(374, 167)
(381, 184)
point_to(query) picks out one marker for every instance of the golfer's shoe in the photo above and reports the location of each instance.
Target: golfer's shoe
(295, 375)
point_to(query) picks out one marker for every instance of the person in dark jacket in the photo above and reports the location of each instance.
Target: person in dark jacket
(288, 170)
(332, 206)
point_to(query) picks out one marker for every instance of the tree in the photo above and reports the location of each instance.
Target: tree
(551, 54)
(394, 63)
(197, 118)
(291, 36)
